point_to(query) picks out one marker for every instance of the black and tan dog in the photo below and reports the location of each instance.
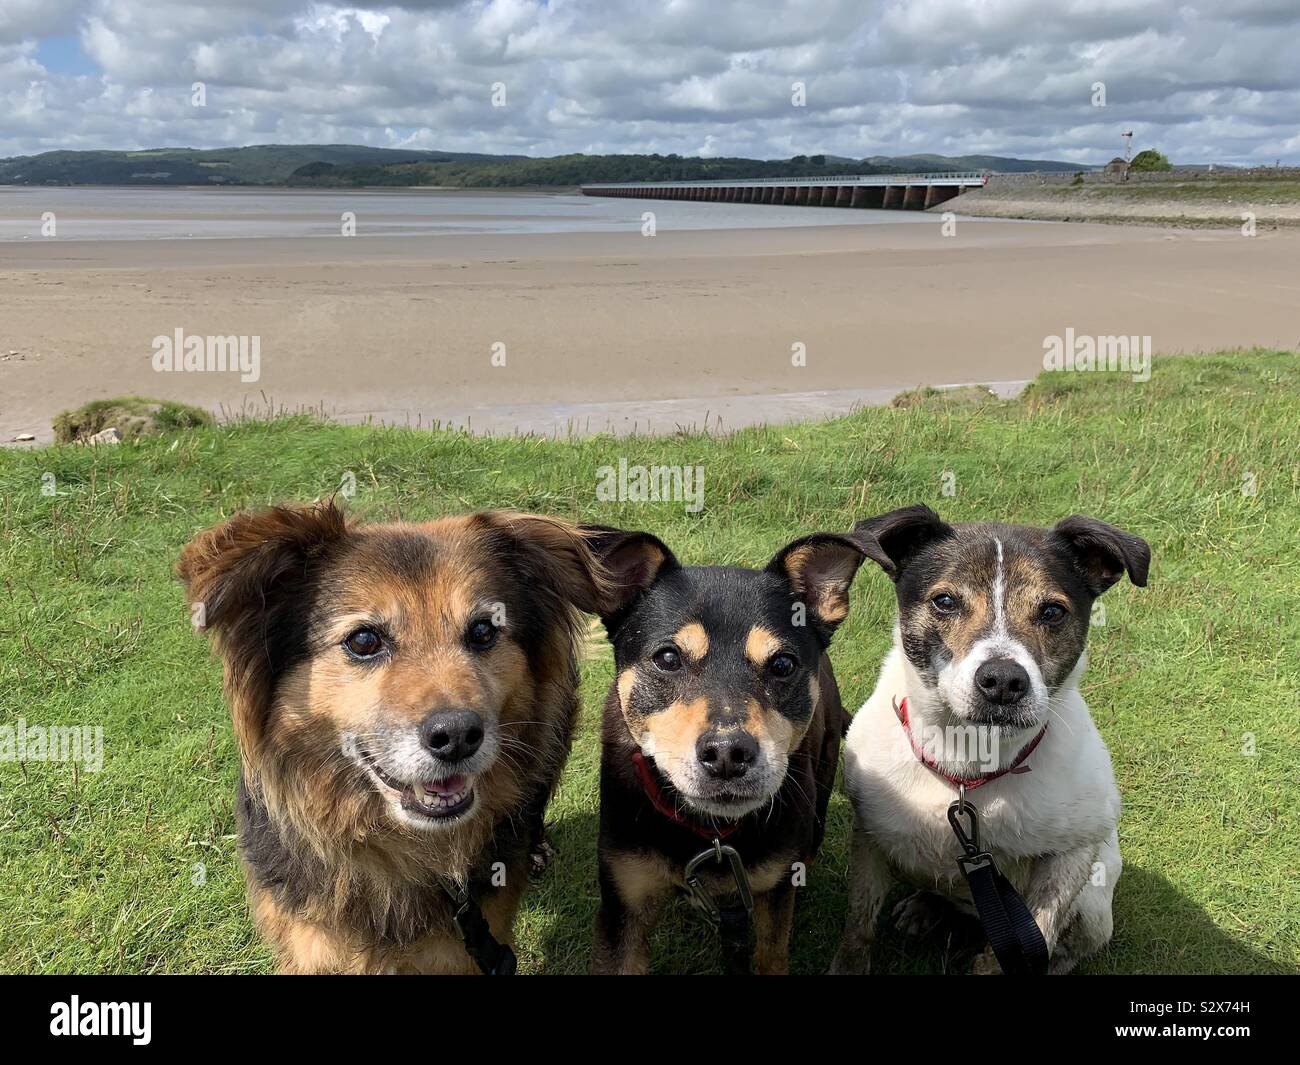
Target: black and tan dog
(722, 729)
(403, 696)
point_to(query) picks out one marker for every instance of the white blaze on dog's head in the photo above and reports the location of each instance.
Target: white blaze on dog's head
(993, 619)
(998, 680)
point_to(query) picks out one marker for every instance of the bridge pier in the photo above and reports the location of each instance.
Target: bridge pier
(891, 192)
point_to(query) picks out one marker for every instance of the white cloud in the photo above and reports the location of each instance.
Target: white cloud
(689, 76)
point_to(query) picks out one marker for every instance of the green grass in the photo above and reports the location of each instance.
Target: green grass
(1206, 190)
(132, 416)
(98, 872)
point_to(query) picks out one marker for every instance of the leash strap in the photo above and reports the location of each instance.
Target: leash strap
(493, 957)
(1012, 932)
(733, 932)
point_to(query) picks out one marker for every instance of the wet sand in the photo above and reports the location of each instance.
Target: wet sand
(614, 330)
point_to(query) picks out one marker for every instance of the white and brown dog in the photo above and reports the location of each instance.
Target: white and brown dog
(988, 652)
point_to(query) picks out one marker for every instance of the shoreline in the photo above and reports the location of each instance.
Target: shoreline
(614, 329)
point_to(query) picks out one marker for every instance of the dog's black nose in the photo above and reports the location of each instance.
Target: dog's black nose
(726, 754)
(1002, 681)
(452, 735)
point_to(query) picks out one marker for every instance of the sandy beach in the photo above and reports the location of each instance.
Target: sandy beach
(614, 329)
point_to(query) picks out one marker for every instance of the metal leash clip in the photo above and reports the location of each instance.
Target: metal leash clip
(698, 895)
(968, 837)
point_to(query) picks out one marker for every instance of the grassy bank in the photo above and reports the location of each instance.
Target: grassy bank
(134, 868)
(1199, 202)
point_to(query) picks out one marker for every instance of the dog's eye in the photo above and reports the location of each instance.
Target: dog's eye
(782, 665)
(944, 604)
(364, 643)
(667, 659)
(482, 635)
(1051, 613)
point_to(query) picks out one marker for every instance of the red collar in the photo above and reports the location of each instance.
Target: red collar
(651, 786)
(969, 783)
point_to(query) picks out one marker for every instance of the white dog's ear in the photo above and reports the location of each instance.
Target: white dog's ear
(893, 539)
(1103, 553)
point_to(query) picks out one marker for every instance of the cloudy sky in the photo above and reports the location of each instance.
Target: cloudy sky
(1203, 81)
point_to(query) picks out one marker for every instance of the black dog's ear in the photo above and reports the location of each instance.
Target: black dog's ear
(1103, 552)
(892, 539)
(632, 561)
(820, 568)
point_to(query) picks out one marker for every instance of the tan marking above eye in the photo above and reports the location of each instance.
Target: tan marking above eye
(760, 645)
(692, 641)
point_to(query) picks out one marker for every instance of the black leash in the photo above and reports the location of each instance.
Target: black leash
(1014, 935)
(732, 921)
(492, 957)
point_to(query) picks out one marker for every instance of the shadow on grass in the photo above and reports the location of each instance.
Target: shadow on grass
(555, 931)
(1158, 929)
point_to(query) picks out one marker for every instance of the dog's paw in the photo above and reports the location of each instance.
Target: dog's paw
(919, 914)
(986, 964)
(850, 962)
(539, 857)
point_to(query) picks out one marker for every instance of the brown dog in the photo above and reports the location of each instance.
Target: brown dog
(403, 696)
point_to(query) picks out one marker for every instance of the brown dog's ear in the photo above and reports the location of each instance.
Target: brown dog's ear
(820, 568)
(236, 576)
(633, 561)
(565, 562)
(893, 539)
(1103, 552)
(232, 566)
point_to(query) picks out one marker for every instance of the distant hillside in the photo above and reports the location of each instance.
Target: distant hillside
(259, 164)
(352, 166)
(1001, 163)
(568, 170)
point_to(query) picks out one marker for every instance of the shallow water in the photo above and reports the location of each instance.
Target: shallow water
(86, 213)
